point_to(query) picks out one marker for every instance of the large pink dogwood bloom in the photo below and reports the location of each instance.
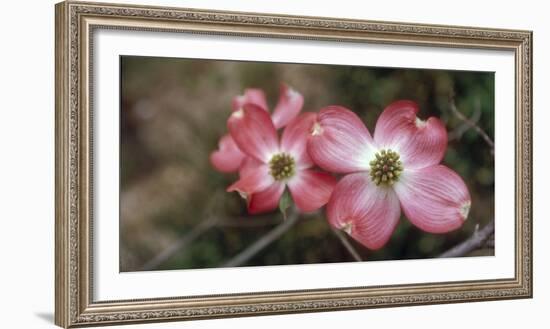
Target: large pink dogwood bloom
(228, 157)
(397, 169)
(272, 165)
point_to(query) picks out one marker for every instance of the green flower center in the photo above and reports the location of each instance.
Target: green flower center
(282, 166)
(386, 167)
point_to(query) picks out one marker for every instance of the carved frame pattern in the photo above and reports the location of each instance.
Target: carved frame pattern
(75, 23)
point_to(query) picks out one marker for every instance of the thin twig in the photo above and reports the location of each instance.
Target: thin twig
(476, 241)
(457, 132)
(186, 240)
(248, 222)
(345, 242)
(180, 244)
(473, 125)
(263, 242)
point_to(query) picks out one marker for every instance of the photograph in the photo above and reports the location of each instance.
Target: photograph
(245, 163)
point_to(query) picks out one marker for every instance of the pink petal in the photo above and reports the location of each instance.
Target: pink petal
(266, 200)
(251, 95)
(228, 157)
(435, 199)
(294, 140)
(311, 189)
(419, 143)
(339, 141)
(289, 105)
(365, 211)
(256, 180)
(249, 165)
(253, 131)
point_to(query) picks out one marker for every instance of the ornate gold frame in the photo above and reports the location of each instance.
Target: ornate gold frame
(76, 21)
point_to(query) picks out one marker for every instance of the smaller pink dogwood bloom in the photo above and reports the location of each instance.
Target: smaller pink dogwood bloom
(228, 157)
(397, 169)
(271, 165)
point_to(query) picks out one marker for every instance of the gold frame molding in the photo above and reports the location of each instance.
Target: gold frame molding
(75, 23)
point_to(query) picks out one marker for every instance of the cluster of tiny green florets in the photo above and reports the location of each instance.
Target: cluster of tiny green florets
(281, 166)
(386, 167)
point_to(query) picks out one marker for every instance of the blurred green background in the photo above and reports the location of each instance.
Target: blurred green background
(173, 111)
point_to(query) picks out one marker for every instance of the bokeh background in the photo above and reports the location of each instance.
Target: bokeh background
(175, 213)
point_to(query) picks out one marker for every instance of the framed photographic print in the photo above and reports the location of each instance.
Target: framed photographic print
(218, 164)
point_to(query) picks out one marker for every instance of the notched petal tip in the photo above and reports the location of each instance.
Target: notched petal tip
(347, 227)
(289, 105)
(242, 194)
(250, 95)
(465, 210)
(316, 129)
(238, 114)
(420, 123)
(293, 93)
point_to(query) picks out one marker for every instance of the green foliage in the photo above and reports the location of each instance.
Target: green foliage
(285, 203)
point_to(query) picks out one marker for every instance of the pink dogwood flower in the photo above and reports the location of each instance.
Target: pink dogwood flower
(228, 157)
(272, 165)
(398, 168)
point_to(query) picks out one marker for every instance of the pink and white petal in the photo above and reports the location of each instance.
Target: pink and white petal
(251, 95)
(289, 105)
(253, 132)
(311, 189)
(255, 181)
(424, 147)
(420, 143)
(266, 200)
(339, 141)
(294, 139)
(435, 199)
(228, 157)
(397, 117)
(367, 212)
(249, 165)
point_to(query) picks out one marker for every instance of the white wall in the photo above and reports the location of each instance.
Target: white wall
(27, 162)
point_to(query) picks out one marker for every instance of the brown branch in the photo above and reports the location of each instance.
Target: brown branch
(263, 242)
(472, 125)
(345, 242)
(490, 243)
(180, 244)
(476, 241)
(248, 222)
(458, 131)
(183, 242)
